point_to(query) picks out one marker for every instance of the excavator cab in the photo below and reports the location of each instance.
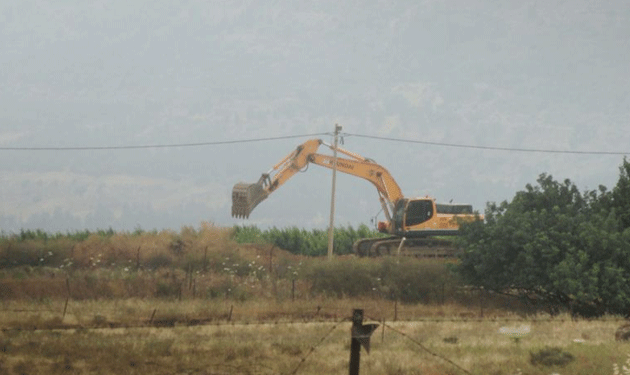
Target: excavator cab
(410, 212)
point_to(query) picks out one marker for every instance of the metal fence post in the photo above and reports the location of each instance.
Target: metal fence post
(355, 345)
(360, 337)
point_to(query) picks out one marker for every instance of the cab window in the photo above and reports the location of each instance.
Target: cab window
(399, 212)
(418, 212)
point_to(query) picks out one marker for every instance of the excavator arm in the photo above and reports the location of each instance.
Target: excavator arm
(388, 190)
(246, 196)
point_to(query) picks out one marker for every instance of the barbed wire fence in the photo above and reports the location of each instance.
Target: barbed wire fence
(314, 347)
(324, 316)
(427, 350)
(385, 325)
(320, 315)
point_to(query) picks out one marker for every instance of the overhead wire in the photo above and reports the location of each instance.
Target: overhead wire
(493, 148)
(264, 139)
(172, 145)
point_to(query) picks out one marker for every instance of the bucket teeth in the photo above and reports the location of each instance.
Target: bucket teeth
(245, 197)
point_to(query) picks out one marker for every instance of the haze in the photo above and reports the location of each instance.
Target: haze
(547, 75)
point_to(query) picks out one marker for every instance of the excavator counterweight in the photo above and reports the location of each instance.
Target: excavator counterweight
(245, 197)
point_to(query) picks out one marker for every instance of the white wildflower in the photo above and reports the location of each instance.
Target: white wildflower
(515, 331)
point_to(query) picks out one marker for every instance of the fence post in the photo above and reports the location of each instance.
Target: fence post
(360, 337)
(65, 307)
(355, 345)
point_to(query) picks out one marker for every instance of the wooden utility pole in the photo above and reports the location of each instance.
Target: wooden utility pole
(331, 227)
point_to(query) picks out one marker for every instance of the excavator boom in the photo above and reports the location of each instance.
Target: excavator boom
(246, 196)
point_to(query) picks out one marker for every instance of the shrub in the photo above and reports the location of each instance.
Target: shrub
(34, 252)
(167, 289)
(228, 289)
(550, 357)
(344, 277)
(411, 280)
(404, 279)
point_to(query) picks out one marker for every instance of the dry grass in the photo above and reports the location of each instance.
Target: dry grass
(280, 348)
(195, 303)
(150, 249)
(139, 312)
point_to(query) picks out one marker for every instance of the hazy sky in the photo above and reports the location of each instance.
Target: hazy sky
(532, 75)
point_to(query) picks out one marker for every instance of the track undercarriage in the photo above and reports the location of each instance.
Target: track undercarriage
(411, 247)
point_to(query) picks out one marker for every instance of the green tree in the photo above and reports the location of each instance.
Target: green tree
(554, 244)
(621, 195)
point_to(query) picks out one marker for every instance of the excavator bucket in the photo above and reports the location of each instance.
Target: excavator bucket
(245, 197)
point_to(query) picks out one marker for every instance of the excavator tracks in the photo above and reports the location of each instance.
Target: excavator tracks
(414, 247)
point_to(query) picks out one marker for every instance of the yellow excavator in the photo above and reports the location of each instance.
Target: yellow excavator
(415, 225)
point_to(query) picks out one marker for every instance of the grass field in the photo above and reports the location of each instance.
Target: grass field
(299, 337)
(197, 303)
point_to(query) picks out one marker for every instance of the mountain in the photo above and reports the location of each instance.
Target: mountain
(535, 75)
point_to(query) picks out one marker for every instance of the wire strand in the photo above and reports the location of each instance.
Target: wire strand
(174, 145)
(266, 139)
(419, 344)
(493, 148)
(321, 340)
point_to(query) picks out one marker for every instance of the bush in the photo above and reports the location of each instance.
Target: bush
(344, 278)
(551, 357)
(168, 289)
(228, 289)
(411, 280)
(405, 279)
(34, 252)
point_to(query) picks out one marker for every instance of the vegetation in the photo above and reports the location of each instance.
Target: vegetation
(153, 249)
(551, 357)
(207, 263)
(303, 242)
(555, 246)
(403, 347)
(409, 280)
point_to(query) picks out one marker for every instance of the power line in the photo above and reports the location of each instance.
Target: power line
(251, 140)
(511, 149)
(173, 145)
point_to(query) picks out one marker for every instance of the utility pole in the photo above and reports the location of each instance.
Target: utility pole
(331, 233)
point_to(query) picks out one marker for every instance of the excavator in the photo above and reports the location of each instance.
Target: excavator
(416, 226)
